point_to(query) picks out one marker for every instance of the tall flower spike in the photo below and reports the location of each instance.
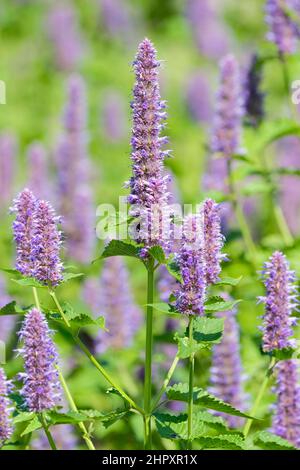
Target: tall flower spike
(24, 207)
(286, 420)
(41, 385)
(38, 178)
(148, 183)
(190, 294)
(279, 302)
(227, 372)
(6, 322)
(283, 31)
(229, 110)
(5, 409)
(45, 245)
(213, 241)
(74, 175)
(112, 297)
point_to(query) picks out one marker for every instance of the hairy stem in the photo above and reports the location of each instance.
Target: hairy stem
(47, 432)
(148, 359)
(259, 397)
(73, 406)
(191, 386)
(166, 382)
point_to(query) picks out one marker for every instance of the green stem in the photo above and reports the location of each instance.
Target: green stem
(47, 432)
(250, 245)
(259, 397)
(36, 298)
(191, 386)
(93, 359)
(148, 358)
(166, 382)
(282, 225)
(73, 406)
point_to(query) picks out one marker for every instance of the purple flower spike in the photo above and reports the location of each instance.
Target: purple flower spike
(8, 150)
(24, 207)
(148, 183)
(283, 31)
(227, 371)
(38, 171)
(5, 409)
(45, 245)
(74, 175)
(229, 110)
(190, 294)
(112, 297)
(213, 241)
(279, 302)
(286, 421)
(6, 322)
(41, 386)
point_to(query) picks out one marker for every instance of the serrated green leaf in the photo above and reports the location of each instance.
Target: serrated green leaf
(214, 422)
(186, 348)
(120, 248)
(68, 276)
(174, 270)
(22, 417)
(268, 441)
(229, 281)
(29, 282)
(226, 442)
(12, 309)
(65, 418)
(284, 354)
(208, 329)
(220, 306)
(180, 392)
(158, 254)
(33, 425)
(164, 308)
(11, 271)
(77, 319)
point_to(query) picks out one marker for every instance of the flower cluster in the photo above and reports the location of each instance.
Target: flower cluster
(213, 240)
(286, 420)
(5, 421)
(279, 302)
(41, 388)
(227, 371)
(283, 31)
(190, 294)
(229, 110)
(148, 183)
(111, 297)
(37, 239)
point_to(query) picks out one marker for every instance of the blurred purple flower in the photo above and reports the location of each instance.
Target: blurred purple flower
(198, 98)
(24, 207)
(64, 33)
(63, 436)
(119, 19)
(113, 118)
(6, 322)
(283, 30)
(41, 388)
(6, 428)
(74, 176)
(45, 245)
(209, 32)
(148, 183)
(8, 151)
(289, 151)
(227, 374)
(111, 297)
(286, 420)
(190, 294)
(279, 302)
(38, 180)
(229, 110)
